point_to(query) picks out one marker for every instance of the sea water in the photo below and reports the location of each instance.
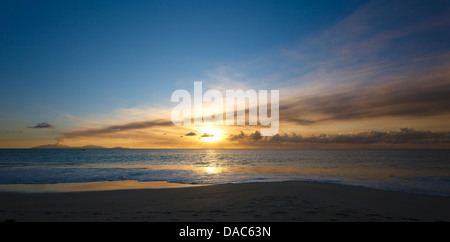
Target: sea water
(413, 171)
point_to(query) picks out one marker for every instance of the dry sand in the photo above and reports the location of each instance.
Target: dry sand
(262, 202)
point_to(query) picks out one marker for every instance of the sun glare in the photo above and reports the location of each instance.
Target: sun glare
(210, 134)
(211, 169)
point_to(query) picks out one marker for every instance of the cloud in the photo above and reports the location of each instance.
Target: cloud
(368, 67)
(205, 135)
(42, 126)
(422, 95)
(190, 134)
(379, 30)
(256, 135)
(240, 136)
(114, 129)
(402, 136)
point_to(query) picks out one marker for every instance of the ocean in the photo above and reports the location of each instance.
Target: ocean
(412, 171)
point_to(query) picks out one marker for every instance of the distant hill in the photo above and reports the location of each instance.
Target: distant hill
(58, 146)
(91, 147)
(51, 146)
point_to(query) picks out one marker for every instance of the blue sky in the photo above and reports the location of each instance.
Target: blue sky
(71, 54)
(62, 61)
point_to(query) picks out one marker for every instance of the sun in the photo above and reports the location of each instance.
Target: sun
(210, 134)
(211, 170)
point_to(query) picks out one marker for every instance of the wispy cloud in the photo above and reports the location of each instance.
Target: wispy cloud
(410, 96)
(380, 31)
(225, 77)
(382, 60)
(114, 129)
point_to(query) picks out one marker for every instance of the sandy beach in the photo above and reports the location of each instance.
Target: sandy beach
(257, 202)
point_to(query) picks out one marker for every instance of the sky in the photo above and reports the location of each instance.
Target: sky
(351, 74)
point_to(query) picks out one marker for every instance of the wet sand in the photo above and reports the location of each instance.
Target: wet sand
(259, 202)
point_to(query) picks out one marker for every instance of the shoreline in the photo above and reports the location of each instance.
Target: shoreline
(137, 185)
(294, 201)
(92, 186)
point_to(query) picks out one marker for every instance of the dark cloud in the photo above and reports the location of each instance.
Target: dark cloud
(402, 136)
(42, 126)
(205, 135)
(114, 129)
(256, 136)
(190, 134)
(240, 136)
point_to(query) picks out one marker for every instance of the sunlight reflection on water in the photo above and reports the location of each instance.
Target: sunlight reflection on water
(424, 170)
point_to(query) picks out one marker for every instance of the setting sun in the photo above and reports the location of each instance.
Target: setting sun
(210, 134)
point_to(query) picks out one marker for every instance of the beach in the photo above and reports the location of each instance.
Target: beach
(295, 201)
